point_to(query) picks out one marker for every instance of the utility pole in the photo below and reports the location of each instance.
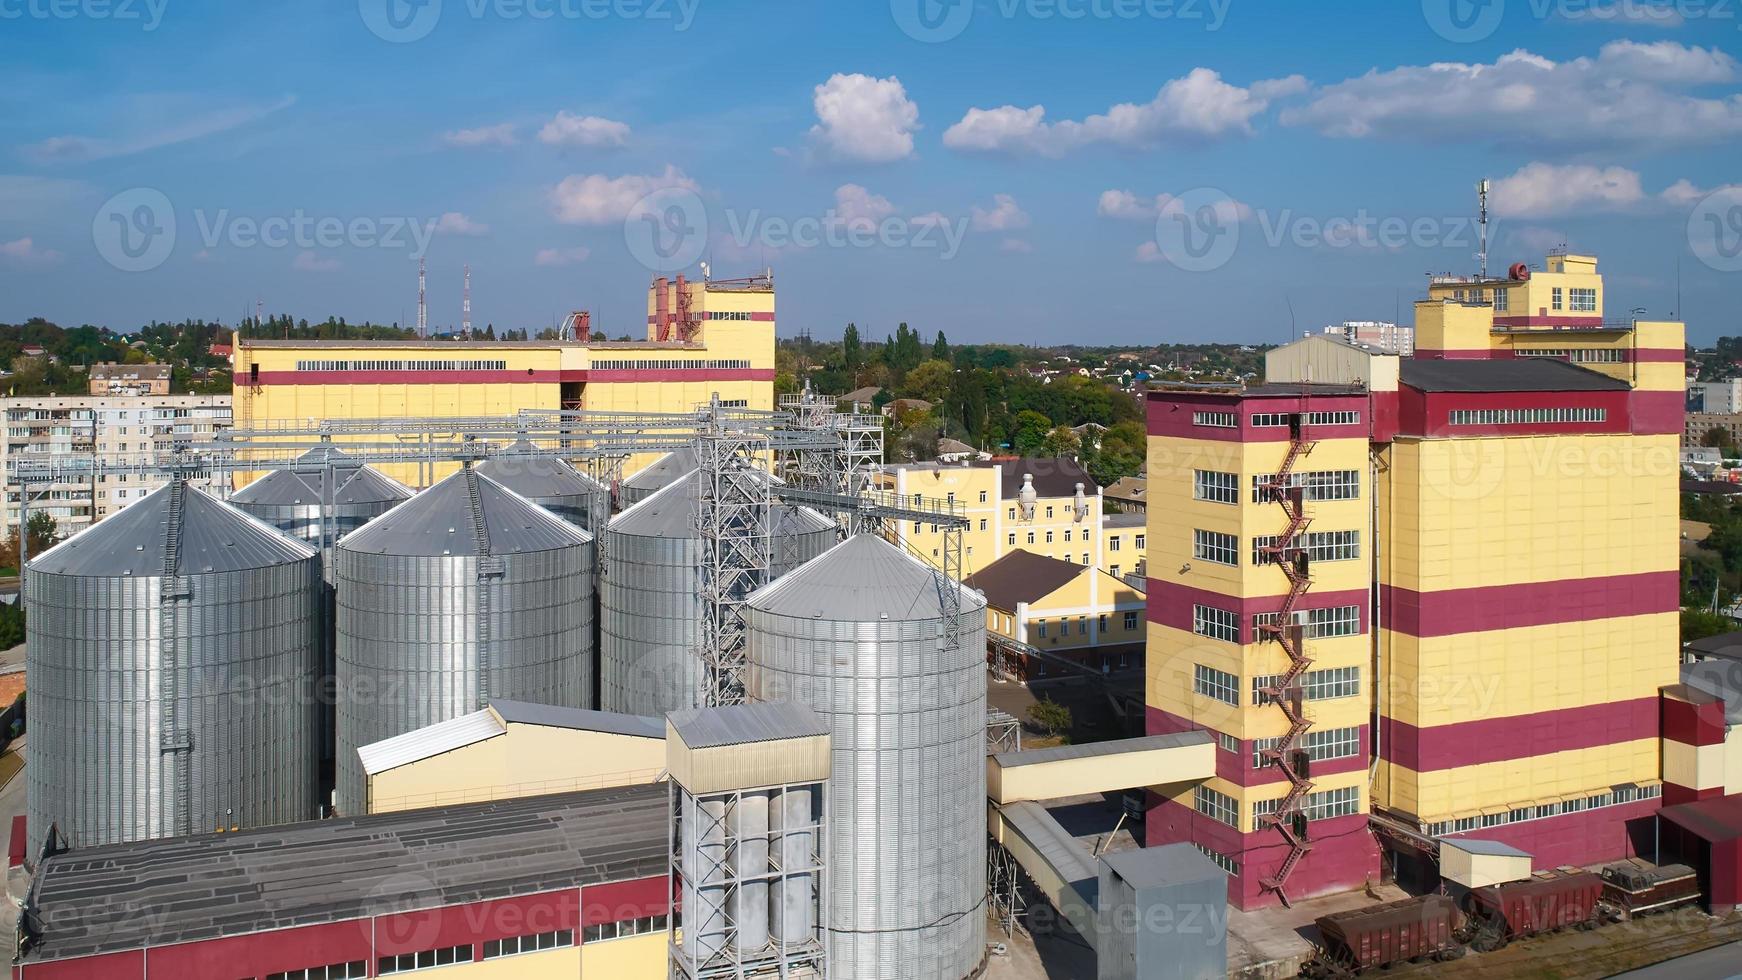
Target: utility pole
(466, 306)
(1482, 203)
(422, 304)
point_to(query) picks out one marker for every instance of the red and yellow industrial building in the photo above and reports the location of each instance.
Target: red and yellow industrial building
(1424, 597)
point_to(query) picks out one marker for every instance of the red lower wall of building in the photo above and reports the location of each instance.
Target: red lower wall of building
(1591, 836)
(1344, 855)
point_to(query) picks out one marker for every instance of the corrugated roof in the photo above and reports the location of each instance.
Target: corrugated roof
(671, 512)
(438, 522)
(1093, 750)
(746, 724)
(534, 474)
(862, 579)
(215, 537)
(1714, 820)
(431, 740)
(126, 896)
(1022, 576)
(662, 471)
(355, 484)
(579, 719)
(1070, 857)
(1167, 864)
(1511, 374)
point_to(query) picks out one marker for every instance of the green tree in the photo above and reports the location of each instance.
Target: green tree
(1050, 717)
(1718, 437)
(1061, 441)
(1697, 625)
(852, 351)
(1030, 433)
(940, 348)
(930, 381)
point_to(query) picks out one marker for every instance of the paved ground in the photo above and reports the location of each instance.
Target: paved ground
(1275, 942)
(1717, 963)
(11, 805)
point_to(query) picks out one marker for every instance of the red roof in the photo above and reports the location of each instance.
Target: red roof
(1713, 820)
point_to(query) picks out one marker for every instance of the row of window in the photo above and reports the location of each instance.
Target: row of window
(1325, 684)
(1276, 419)
(444, 365)
(728, 315)
(1218, 420)
(1329, 743)
(1217, 624)
(1580, 355)
(1216, 487)
(1321, 623)
(1526, 416)
(1316, 485)
(1319, 546)
(353, 970)
(516, 945)
(428, 959)
(1614, 797)
(1218, 685)
(1318, 806)
(1221, 860)
(644, 364)
(1219, 807)
(1223, 549)
(1041, 627)
(624, 929)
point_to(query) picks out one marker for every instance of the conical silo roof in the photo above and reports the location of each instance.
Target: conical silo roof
(440, 522)
(214, 537)
(671, 513)
(862, 579)
(537, 474)
(663, 471)
(355, 484)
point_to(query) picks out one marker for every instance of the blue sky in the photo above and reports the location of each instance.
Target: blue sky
(1018, 170)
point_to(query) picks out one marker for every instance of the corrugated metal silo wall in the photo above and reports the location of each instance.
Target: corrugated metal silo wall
(97, 767)
(650, 614)
(577, 508)
(907, 798)
(408, 649)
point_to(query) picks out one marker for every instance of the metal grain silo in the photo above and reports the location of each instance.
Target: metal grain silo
(551, 483)
(649, 603)
(291, 500)
(858, 634)
(173, 649)
(465, 593)
(656, 476)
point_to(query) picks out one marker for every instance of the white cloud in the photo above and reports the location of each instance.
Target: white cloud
(857, 207)
(568, 129)
(1149, 252)
(1628, 95)
(1534, 238)
(561, 256)
(1004, 216)
(23, 252)
(1543, 189)
(1199, 107)
(862, 119)
(1685, 193)
(312, 262)
(455, 223)
(594, 199)
(1127, 206)
(165, 123)
(501, 134)
(1017, 245)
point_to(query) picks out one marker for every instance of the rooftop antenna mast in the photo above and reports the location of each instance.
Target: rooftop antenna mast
(422, 304)
(466, 306)
(1482, 203)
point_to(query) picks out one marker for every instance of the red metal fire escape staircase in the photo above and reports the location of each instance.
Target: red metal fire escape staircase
(1286, 693)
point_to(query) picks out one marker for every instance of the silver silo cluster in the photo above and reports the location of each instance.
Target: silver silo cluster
(551, 483)
(656, 476)
(650, 606)
(291, 500)
(465, 593)
(858, 634)
(173, 649)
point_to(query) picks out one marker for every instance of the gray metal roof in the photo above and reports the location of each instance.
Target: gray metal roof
(579, 719)
(1067, 855)
(1167, 864)
(662, 471)
(354, 485)
(428, 741)
(438, 522)
(671, 513)
(1513, 374)
(745, 724)
(1092, 750)
(126, 896)
(1471, 845)
(215, 537)
(534, 474)
(862, 579)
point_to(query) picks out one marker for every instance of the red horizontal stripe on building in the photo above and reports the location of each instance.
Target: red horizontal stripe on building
(621, 901)
(1429, 413)
(645, 375)
(1344, 852)
(527, 376)
(1693, 717)
(265, 953)
(1659, 355)
(1448, 612)
(1659, 413)
(1236, 767)
(1170, 604)
(1475, 743)
(1169, 413)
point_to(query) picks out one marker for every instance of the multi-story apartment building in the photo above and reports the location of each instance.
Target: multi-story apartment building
(129, 379)
(1475, 546)
(135, 427)
(1720, 397)
(1380, 334)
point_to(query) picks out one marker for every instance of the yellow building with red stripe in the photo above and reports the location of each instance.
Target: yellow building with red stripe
(705, 338)
(1476, 547)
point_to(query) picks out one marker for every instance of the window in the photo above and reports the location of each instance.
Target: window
(1040, 628)
(1216, 685)
(624, 929)
(1557, 298)
(1049, 537)
(1500, 300)
(407, 962)
(1049, 512)
(1228, 743)
(1082, 626)
(1526, 416)
(1278, 419)
(1217, 806)
(1582, 300)
(1579, 355)
(1221, 488)
(1031, 537)
(409, 365)
(1223, 549)
(1319, 545)
(1613, 796)
(1138, 543)
(982, 496)
(528, 944)
(1217, 624)
(1221, 860)
(1219, 420)
(1068, 535)
(337, 971)
(982, 524)
(1113, 543)
(1012, 538)
(1113, 570)
(1315, 486)
(1329, 743)
(1130, 621)
(1085, 557)
(1316, 685)
(1013, 513)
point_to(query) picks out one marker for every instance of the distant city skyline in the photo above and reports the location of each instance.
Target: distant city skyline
(1006, 170)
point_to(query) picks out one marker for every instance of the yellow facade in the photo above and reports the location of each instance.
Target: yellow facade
(1092, 610)
(1447, 794)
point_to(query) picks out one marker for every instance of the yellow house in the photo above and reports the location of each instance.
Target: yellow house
(512, 749)
(1063, 607)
